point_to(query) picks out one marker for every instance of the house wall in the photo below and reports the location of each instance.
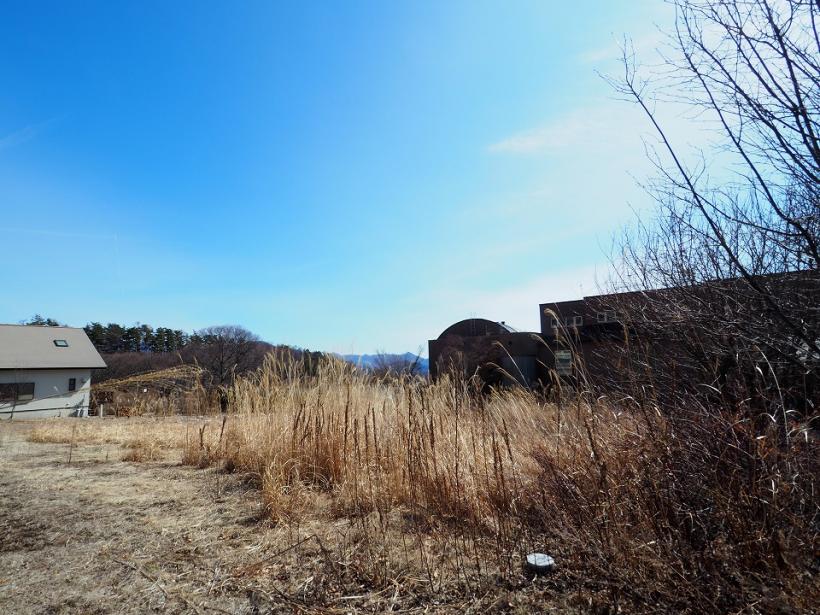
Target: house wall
(51, 394)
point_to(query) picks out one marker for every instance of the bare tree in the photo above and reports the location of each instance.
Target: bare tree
(396, 365)
(739, 254)
(42, 321)
(226, 351)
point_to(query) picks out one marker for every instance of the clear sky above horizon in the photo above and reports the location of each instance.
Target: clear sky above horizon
(339, 176)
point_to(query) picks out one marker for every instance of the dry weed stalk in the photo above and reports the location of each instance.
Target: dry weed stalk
(673, 504)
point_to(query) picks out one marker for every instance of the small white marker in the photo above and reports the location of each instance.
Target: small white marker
(539, 563)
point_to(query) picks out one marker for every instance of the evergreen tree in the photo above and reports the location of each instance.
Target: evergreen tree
(39, 321)
(131, 339)
(96, 333)
(146, 338)
(113, 338)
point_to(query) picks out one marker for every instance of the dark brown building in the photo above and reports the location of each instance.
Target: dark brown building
(493, 351)
(571, 332)
(583, 333)
(585, 338)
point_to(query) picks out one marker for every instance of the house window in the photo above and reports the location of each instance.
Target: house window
(72, 384)
(577, 321)
(10, 392)
(25, 391)
(61, 343)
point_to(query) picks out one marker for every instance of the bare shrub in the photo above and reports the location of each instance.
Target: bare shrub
(737, 227)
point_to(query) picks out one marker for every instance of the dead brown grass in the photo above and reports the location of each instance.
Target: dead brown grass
(401, 485)
(143, 438)
(141, 452)
(685, 507)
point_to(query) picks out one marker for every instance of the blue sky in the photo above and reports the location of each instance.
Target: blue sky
(338, 176)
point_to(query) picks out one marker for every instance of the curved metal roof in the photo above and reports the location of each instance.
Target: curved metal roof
(476, 327)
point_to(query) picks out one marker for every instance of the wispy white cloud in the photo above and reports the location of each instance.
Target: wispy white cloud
(645, 46)
(522, 143)
(18, 137)
(423, 316)
(605, 126)
(516, 304)
(23, 135)
(613, 132)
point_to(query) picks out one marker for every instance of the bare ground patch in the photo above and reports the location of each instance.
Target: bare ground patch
(100, 535)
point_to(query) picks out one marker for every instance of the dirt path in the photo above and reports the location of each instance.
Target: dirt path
(100, 535)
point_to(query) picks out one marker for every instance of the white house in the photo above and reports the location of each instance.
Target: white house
(45, 371)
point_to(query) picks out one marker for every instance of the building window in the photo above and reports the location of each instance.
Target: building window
(72, 384)
(61, 343)
(10, 392)
(608, 316)
(567, 321)
(25, 391)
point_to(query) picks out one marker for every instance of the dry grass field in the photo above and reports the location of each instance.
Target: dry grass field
(334, 493)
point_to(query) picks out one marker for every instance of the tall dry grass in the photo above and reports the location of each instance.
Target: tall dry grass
(402, 483)
(685, 507)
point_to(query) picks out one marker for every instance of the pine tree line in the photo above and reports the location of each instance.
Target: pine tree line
(114, 337)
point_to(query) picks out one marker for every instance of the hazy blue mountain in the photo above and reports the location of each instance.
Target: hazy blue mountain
(368, 361)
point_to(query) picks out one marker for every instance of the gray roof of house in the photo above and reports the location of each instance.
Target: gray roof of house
(30, 347)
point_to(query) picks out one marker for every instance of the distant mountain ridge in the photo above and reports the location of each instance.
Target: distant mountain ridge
(371, 361)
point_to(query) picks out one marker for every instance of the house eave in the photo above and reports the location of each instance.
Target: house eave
(19, 368)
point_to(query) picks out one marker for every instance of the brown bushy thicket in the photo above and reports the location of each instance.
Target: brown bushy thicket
(685, 508)
(220, 359)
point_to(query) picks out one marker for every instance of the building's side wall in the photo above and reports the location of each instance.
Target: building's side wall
(51, 394)
(521, 355)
